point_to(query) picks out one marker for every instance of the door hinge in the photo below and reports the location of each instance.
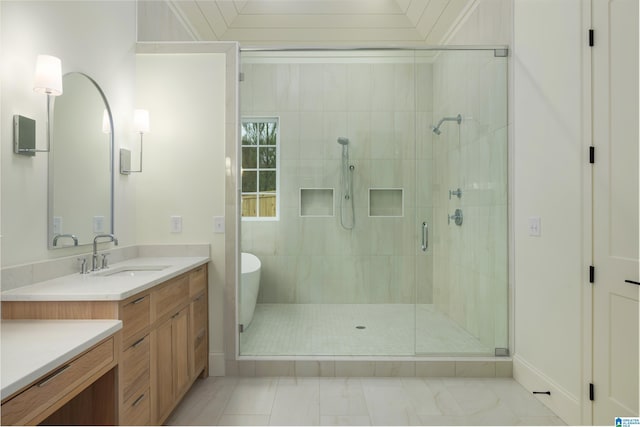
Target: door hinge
(241, 328)
(241, 77)
(592, 154)
(592, 394)
(592, 274)
(591, 37)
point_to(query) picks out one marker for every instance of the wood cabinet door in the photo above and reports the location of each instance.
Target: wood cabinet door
(164, 369)
(180, 338)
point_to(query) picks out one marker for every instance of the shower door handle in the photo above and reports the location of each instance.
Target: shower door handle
(425, 236)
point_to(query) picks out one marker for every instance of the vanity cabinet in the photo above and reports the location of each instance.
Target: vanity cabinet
(80, 391)
(135, 373)
(172, 368)
(164, 341)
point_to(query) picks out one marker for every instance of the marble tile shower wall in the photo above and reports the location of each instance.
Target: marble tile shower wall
(470, 264)
(313, 259)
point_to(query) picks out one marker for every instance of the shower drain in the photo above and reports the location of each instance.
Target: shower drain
(361, 327)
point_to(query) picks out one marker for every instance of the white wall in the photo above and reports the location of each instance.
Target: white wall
(484, 22)
(96, 38)
(550, 157)
(160, 21)
(184, 166)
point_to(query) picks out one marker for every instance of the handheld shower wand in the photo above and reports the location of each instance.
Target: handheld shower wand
(347, 185)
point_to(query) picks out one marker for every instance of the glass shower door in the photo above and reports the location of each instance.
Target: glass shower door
(461, 158)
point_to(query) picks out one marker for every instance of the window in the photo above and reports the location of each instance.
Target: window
(260, 177)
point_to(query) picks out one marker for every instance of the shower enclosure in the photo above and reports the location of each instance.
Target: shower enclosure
(392, 241)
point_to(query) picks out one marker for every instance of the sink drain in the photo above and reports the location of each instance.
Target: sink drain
(361, 327)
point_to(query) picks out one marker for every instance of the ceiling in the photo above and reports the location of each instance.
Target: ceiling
(258, 22)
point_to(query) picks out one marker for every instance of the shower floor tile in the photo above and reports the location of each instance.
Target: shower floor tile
(355, 330)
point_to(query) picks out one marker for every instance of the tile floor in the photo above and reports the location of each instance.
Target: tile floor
(360, 401)
(330, 329)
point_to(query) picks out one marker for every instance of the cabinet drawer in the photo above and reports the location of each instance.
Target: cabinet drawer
(171, 297)
(137, 410)
(54, 386)
(135, 316)
(134, 367)
(197, 281)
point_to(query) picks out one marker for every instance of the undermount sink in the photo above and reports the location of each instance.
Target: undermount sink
(133, 270)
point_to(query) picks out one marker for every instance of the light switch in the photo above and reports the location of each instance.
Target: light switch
(534, 226)
(218, 224)
(176, 224)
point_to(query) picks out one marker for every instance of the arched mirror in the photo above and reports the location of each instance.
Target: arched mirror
(80, 164)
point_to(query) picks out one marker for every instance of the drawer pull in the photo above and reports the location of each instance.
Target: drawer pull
(138, 400)
(137, 343)
(139, 300)
(49, 378)
(199, 269)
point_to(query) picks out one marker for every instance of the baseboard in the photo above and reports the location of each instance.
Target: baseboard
(216, 365)
(564, 404)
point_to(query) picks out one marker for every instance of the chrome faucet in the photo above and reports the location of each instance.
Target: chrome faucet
(111, 237)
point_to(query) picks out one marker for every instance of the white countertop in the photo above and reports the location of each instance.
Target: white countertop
(97, 287)
(32, 348)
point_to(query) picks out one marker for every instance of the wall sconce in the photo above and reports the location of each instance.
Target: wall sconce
(48, 81)
(140, 125)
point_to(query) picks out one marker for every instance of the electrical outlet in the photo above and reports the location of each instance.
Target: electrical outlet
(176, 224)
(535, 226)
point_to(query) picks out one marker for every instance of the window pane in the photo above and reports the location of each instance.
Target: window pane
(267, 181)
(262, 130)
(267, 157)
(249, 205)
(270, 138)
(249, 134)
(249, 182)
(267, 205)
(249, 157)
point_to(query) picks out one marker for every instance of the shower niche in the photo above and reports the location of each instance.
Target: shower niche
(386, 202)
(318, 202)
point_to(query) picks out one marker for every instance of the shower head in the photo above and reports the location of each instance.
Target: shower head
(343, 140)
(436, 129)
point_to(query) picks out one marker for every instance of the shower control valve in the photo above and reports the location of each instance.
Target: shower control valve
(457, 192)
(456, 217)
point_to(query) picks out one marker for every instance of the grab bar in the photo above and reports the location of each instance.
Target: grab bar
(425, 237)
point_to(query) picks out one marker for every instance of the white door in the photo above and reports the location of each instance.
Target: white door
(615, 209)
